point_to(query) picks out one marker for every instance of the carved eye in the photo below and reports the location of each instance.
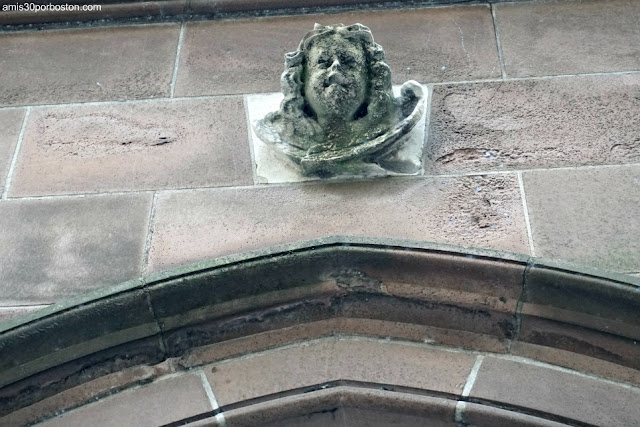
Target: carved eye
(348, 61)
(323, 62)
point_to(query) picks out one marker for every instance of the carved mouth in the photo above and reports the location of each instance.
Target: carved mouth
(328, 83)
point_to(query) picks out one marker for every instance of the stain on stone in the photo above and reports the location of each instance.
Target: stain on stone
(102, 133)
(208, 332)
(576, 345)
(480, 207)
(463, 154)
(162, 140)
(356, 280)
(508, 328)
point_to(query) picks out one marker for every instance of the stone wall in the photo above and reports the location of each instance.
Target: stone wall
(125, 150)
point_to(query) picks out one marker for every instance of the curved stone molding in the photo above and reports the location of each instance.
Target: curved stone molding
(441, 295)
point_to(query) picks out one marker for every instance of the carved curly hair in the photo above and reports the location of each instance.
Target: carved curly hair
(294, 118)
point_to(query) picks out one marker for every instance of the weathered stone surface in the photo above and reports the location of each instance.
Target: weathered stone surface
(586, 216)
(87, 64)
(81, 394)
(458, 41)
(58, 337)
(57, 248)
(568, 37)
(579, 398)
(65, 376)
(324, 360)
(133, 146)
(10, 125)
(482, 211)
(461, 294)
(159, 403)
(361, 273)
(534, 124)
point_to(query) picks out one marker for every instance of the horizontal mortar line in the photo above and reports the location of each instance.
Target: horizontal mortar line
(83, 195)
(126, 101)
(297, 184)
(66, 26)
(231, 95)
(206, 188)
(516, 171)
(547, 77)
(22, 307)
(146, 100)
(465, 174)
(321, 182)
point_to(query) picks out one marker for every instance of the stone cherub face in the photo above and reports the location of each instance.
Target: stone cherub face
(335, 79)
(338, 105)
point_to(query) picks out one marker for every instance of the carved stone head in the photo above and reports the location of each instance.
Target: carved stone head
(338, 72)
(338, 102)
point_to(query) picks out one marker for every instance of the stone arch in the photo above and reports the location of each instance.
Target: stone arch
(378, 311)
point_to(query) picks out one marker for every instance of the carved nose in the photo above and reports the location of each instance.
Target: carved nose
(336, 65)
